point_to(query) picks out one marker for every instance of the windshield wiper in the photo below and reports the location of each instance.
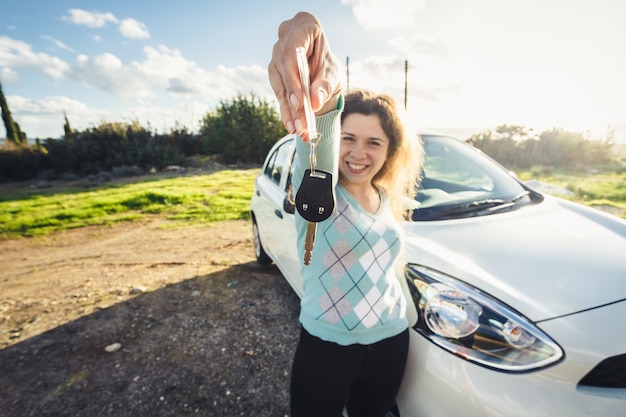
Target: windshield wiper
(489, 205)
(461, 210)
(511, 202)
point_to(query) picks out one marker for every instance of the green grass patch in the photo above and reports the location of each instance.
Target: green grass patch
(207, 198)
(593, 189)
(198, 199)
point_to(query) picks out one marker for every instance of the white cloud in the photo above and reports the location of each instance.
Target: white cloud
(163, 63)
(133, 29)
(109, 74)
(418, 46)
(89, 19)
(223, 83)
(168, 89)
(48, 106)
(177, 85)
(162, 118)
(129, 28)
(384, 14)
(57, 43)
(229, 82)
(162, 70)
(139, 79)
(44, 118)
(17, 54)
(8, 76)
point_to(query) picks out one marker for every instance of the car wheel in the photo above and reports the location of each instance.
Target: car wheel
(259, 252)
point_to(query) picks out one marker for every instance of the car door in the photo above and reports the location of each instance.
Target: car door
(275, 213)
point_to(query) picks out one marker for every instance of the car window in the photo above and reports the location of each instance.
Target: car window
(449, 170)
(279, 162)
(270, 165)
(458, 180)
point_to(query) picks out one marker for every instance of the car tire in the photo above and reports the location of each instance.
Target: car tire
(259, 252)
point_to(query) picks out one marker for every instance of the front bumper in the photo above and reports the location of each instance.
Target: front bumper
(439, 384)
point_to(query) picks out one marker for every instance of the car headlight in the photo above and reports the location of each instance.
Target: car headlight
(476, 326)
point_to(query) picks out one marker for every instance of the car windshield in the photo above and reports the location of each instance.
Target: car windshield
(460, 181)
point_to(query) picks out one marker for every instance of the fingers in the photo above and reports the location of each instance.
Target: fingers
(278, 85)
(303, 30)
(325, 87)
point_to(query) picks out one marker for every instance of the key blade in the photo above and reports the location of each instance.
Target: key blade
(309, 241)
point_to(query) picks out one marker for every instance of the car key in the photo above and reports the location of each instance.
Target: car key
(315, 200)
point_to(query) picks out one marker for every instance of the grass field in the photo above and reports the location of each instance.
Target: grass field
(596, 189)
(201, 199)
(197, 199)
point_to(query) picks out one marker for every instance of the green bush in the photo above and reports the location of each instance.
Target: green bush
(242, 130)
(184, 141)
(111, 145)
(22, 163)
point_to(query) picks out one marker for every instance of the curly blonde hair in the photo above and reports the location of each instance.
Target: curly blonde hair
(400, 174)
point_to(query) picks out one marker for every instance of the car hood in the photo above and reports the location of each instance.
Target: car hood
(552, 259)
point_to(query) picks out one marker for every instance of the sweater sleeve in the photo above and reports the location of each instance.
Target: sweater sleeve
(327, 149)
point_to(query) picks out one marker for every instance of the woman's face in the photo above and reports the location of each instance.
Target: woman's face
(363, 149)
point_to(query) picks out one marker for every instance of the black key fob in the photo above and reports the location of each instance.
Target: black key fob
(315, 199)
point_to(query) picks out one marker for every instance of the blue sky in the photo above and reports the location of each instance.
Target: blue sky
(473, 64)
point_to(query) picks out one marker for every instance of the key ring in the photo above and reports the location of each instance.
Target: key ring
(313, 152)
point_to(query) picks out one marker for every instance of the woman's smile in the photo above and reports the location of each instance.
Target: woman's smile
(356, 167)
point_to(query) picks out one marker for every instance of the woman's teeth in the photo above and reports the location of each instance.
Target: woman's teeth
(356, 167)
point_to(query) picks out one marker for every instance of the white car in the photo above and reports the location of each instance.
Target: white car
(521, 296)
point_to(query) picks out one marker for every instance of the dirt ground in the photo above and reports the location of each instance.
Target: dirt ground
(141, 320)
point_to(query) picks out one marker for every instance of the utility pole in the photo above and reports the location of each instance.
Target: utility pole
(348, 73)
(406, 76)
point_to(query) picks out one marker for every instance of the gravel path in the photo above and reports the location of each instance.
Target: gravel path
(165, 335)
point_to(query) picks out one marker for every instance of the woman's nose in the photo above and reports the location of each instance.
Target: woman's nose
(358, 151)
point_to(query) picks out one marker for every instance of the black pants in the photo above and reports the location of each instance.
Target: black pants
(326, 377)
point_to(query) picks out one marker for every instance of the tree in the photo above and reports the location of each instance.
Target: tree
(69, 133)
(520, 147)
(14, 133)
(242, 130)
(505, 144)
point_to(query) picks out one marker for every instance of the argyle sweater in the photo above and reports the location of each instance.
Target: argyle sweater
(351, 293)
